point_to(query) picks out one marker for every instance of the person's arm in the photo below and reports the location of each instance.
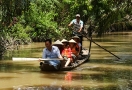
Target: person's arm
(44, 53)
(58, 53)
(79, 47)
(80, 29)
(79, 50)
(60, 57)
(81, 22)
(69, 53)
(71, 23)
(63, 53)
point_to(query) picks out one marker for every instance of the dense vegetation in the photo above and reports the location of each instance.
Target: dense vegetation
(22, 21)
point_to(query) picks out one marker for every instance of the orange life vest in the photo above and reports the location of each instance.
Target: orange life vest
(74, 51)
(67, 52)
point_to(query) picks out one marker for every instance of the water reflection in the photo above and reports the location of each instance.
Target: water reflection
(68, 76)
(69, 81)
(103, 72)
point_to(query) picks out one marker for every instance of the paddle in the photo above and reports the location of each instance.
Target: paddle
(103, 48)
(33, 59)
(95, 42)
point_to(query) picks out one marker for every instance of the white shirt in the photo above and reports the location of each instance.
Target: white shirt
(77, 25)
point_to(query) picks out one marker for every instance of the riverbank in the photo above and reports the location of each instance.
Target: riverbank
(11, 44)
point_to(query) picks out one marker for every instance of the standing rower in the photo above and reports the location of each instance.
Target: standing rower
(77, 27)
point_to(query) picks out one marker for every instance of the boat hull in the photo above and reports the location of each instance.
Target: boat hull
(47, 67)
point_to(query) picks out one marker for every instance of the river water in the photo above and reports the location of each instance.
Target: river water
(102, 72)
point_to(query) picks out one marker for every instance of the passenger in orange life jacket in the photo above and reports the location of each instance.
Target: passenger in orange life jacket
(66, 53)
(79, 46)
(74, 49)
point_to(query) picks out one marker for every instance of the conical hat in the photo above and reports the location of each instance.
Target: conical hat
(75, 37)
(64, 40)
(58, 42)
(72, 41)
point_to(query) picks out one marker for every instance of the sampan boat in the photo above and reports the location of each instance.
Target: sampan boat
(84, 58)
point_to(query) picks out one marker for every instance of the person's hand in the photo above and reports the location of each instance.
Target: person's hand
(39, 59)
(69, 25)
(79, 30)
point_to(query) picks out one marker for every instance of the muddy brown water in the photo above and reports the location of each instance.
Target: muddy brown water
(102, 72)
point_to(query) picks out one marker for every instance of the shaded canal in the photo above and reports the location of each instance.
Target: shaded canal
(103, 72)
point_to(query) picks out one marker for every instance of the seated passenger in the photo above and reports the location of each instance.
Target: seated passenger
(51, 52)
(74, 50)
(66, 53)
(79, 46)
(59, 44)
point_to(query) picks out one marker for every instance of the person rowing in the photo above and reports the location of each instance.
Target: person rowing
(77, 27)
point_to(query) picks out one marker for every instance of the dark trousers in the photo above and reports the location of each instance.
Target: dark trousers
(81, 39)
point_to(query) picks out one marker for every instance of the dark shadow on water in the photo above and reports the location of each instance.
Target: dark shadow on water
(4, 77)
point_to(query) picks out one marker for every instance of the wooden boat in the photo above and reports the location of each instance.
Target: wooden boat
(84, 58)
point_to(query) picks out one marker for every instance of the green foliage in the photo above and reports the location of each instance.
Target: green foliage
(82, 7)
(18, 31)
(2, 47)
(101, 13)
(40, 16)
(41, 19)
(2, 41)
(12, 8)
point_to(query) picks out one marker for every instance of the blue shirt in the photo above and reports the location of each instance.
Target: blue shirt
(54, 53)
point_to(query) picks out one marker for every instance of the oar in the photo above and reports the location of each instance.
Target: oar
(94, 42)
(100, 46)
(33, 59)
